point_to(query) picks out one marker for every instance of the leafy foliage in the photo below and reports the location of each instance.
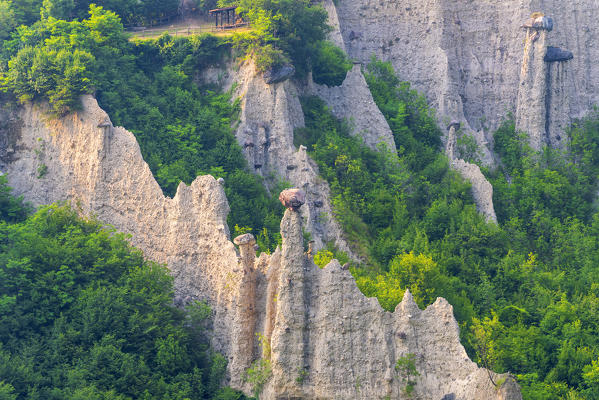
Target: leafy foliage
(185, 131)
(375, 192)
(290, 31)
(257, 375)
(7, 19)
(12, 209)
(327, 254)
(133, 12)
(524, 290)
(58, 60)
(330, 65)
(148, 87)
(83, 315)
(406, 368)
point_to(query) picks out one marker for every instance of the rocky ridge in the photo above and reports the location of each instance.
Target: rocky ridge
(269, 115)
(466, 56)
(326, 339)
(353, 102)
(83, 159)
(330, 342)
(354, 90)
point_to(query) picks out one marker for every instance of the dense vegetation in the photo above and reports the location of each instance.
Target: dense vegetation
(84, 316)
(290, 31)
(147, 86)
(524, 291)
(133, 12)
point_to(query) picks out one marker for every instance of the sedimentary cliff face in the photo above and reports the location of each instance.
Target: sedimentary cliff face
(326, 340)
(467, 55)
(353, 102)
(482, 190)
(98, 167)
(269, 115)
(330, 342)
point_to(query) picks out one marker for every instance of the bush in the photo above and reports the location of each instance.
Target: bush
(330, 65)
(84, 315)
(282, 31)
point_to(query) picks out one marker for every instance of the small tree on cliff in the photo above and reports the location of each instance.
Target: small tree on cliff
(406, 368)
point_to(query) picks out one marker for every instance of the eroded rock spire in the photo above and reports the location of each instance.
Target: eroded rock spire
(543, 109)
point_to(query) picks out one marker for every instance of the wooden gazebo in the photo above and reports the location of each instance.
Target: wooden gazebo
(226, 18)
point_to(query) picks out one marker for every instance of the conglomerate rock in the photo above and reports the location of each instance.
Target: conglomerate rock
(269, 115)
(323, 338)
(330, 342)
(292, 199)
(466, 55)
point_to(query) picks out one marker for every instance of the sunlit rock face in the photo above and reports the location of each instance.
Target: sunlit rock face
(466, 56)
(322, 337)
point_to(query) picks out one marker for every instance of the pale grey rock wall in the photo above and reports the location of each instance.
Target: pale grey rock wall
(560, 105)
(482, 190)
(466, 56)
(330, 342)
(335, 35)
(531, 111)
(353, 102)
(545, 106)
(102, 171)
(269, 115)
(317, 322)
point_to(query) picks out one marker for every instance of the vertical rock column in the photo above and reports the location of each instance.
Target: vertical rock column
(244, 327)
(289, 334)
(531, 112)
(559, 103)
(543, 109)
(482, 190)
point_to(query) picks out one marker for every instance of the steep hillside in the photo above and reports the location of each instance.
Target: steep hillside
(517, 258)
(83, 158)
(467, 56)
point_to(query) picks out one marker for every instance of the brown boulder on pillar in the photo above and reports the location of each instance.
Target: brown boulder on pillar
(456, 124)
(246, 244)
(292, 199)
(244, 239)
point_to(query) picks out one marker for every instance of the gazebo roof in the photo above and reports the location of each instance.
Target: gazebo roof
(218, 10)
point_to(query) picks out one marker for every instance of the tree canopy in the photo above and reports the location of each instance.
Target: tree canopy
(84, 316)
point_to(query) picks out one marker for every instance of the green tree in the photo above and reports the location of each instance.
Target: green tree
(59, 9)
(406, 368)
(282, 31)
(83, 315)
(330, 65)
(12, 209)
(26, 11)
(7, 19)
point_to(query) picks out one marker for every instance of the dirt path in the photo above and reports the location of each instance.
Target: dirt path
(183, 27)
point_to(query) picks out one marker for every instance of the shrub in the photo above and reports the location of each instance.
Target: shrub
(330, 65)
